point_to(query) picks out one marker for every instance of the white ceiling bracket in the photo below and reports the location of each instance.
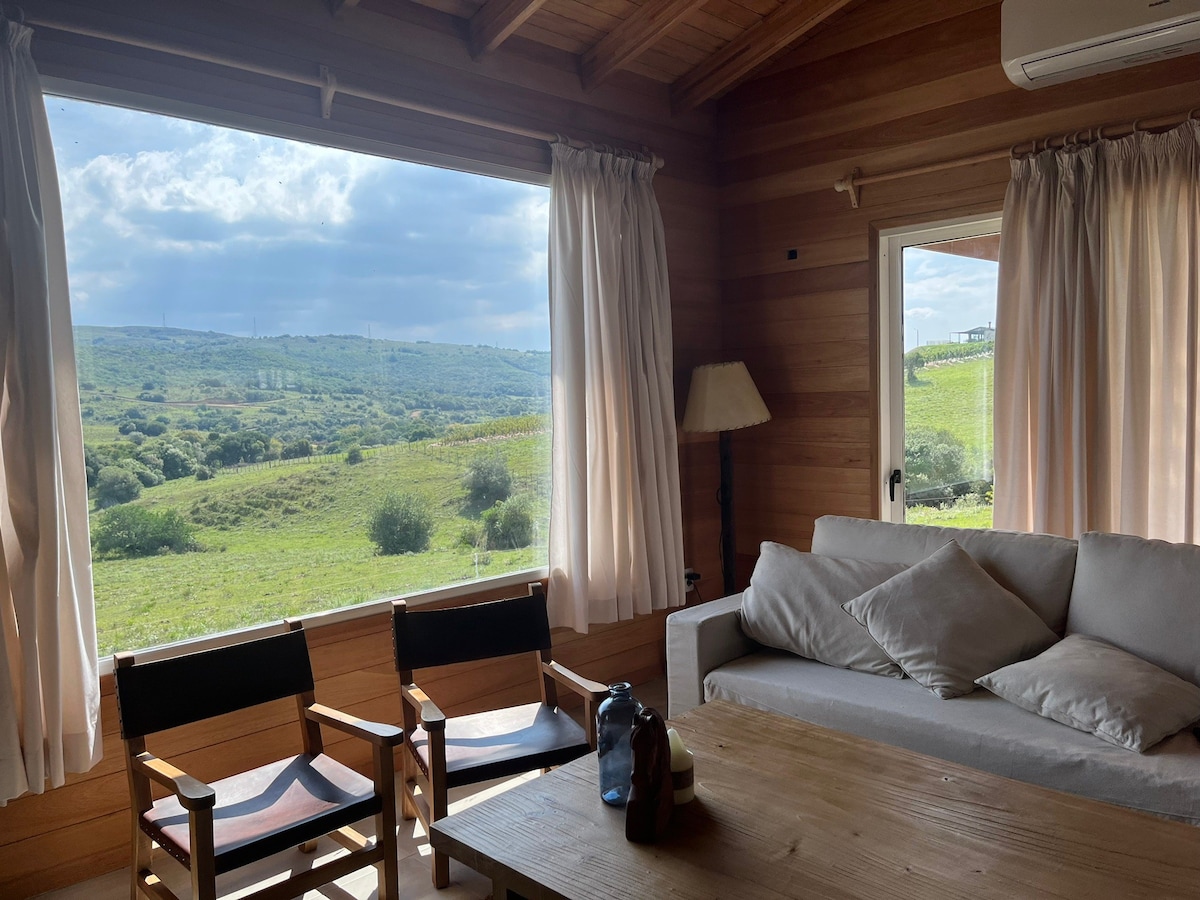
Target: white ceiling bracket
(328, 89)
(849, 184)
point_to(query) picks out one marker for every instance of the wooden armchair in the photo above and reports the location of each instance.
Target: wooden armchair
(213, 829)
(443, 753)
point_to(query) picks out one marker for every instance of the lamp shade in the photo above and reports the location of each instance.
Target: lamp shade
(722, 398)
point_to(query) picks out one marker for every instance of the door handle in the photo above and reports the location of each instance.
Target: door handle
(896, 477)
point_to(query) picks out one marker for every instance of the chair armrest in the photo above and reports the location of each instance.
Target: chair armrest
(431, 717)
(376, 732)
(584, 687)
(699, 639)
(193, 793)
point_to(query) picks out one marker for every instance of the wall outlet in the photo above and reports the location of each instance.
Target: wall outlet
(690, 577)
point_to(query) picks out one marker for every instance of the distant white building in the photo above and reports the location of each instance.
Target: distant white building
(973, 335)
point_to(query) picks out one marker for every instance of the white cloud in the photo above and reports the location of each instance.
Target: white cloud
(920, 312)
(221, 177)
(524, 225)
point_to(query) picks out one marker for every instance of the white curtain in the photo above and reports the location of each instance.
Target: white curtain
(616, 532)
(49, 681)
(1098, 340)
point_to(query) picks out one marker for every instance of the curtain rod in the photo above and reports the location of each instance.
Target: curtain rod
(326, 81)
(855, 180)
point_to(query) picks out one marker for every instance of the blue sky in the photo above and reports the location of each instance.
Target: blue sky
(944, 293)
(216, 229)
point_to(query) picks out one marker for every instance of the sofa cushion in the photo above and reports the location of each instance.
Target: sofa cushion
(1038, 568)
(979, 730)
(947, 623)
(1088, 684)
(794, 603)
(1142, 596)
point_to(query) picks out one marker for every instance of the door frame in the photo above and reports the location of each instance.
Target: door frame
(890, 284)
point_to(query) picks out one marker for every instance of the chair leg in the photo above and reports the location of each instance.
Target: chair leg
(385, 825)
(140, 861)
(439, 808)
(408, 781)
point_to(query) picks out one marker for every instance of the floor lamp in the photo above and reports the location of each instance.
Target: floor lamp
(723, 397)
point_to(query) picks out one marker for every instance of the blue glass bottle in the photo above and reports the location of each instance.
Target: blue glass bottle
(614, 724)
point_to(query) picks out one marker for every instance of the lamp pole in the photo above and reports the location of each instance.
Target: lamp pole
(725, 498)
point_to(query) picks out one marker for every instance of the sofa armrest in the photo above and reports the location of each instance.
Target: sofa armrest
(700, 639)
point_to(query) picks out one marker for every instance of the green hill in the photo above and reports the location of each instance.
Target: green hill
(291, 538)
(955, 395)
(299, 387)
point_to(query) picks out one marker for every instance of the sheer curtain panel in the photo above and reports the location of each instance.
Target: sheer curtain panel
(49, 681)
(1098, 340)
(616, 532)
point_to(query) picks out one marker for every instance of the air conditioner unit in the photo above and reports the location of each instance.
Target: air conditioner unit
(1046, 42)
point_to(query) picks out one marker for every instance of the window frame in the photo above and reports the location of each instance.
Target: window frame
(76, 90)
(890, 289)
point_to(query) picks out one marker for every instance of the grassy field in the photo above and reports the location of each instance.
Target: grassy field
(292, 538)
(957, 397)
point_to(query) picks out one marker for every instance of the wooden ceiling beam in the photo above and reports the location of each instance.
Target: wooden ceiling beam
(633, 37)
(496, 20)
(748, 51)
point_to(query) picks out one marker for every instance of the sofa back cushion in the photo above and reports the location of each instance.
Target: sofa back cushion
(1142, 596)
(1038, 568)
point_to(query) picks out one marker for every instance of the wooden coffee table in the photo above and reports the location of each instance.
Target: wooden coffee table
(788, 809)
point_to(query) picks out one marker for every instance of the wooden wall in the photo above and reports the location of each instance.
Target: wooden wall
(897, 83)
(81, 830)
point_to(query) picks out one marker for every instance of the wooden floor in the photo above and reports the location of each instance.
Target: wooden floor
(415, 881)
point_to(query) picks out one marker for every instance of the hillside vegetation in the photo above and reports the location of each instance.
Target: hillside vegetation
(234, 480)
(292, 538)
(948, 402)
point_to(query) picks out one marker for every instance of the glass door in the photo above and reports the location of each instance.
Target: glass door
(937, 336)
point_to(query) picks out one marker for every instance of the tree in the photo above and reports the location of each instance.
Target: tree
(354, 456)
(913, 360)
(133, 531)
(933, 458)
(297, 449)
(115, 485)
(176, 463)
(488, 480)
(402, 523)
(509, 524)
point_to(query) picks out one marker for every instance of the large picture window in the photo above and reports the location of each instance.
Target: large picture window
(309, 377)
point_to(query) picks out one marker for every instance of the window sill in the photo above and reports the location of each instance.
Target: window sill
(330, 617)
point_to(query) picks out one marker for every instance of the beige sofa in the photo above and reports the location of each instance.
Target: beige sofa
(1142, 596)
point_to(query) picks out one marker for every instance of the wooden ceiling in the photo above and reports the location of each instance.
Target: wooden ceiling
(701, 48)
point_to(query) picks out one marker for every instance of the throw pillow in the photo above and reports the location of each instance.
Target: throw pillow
(1093, 686)
(946, 622)
(794, 604)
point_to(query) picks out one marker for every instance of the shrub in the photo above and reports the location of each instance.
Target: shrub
(115, 485)
(203, 473)
(402, 523)
(297, 449)
(142, 471)
(487, 481)
(176, 463)
(933, 458)
(509, 524)
(354, 456)
(134, 531)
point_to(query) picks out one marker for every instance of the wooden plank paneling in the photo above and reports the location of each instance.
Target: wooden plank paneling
(896, 84)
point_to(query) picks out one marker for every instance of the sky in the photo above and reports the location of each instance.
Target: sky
(210, 228)
(944, 293)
